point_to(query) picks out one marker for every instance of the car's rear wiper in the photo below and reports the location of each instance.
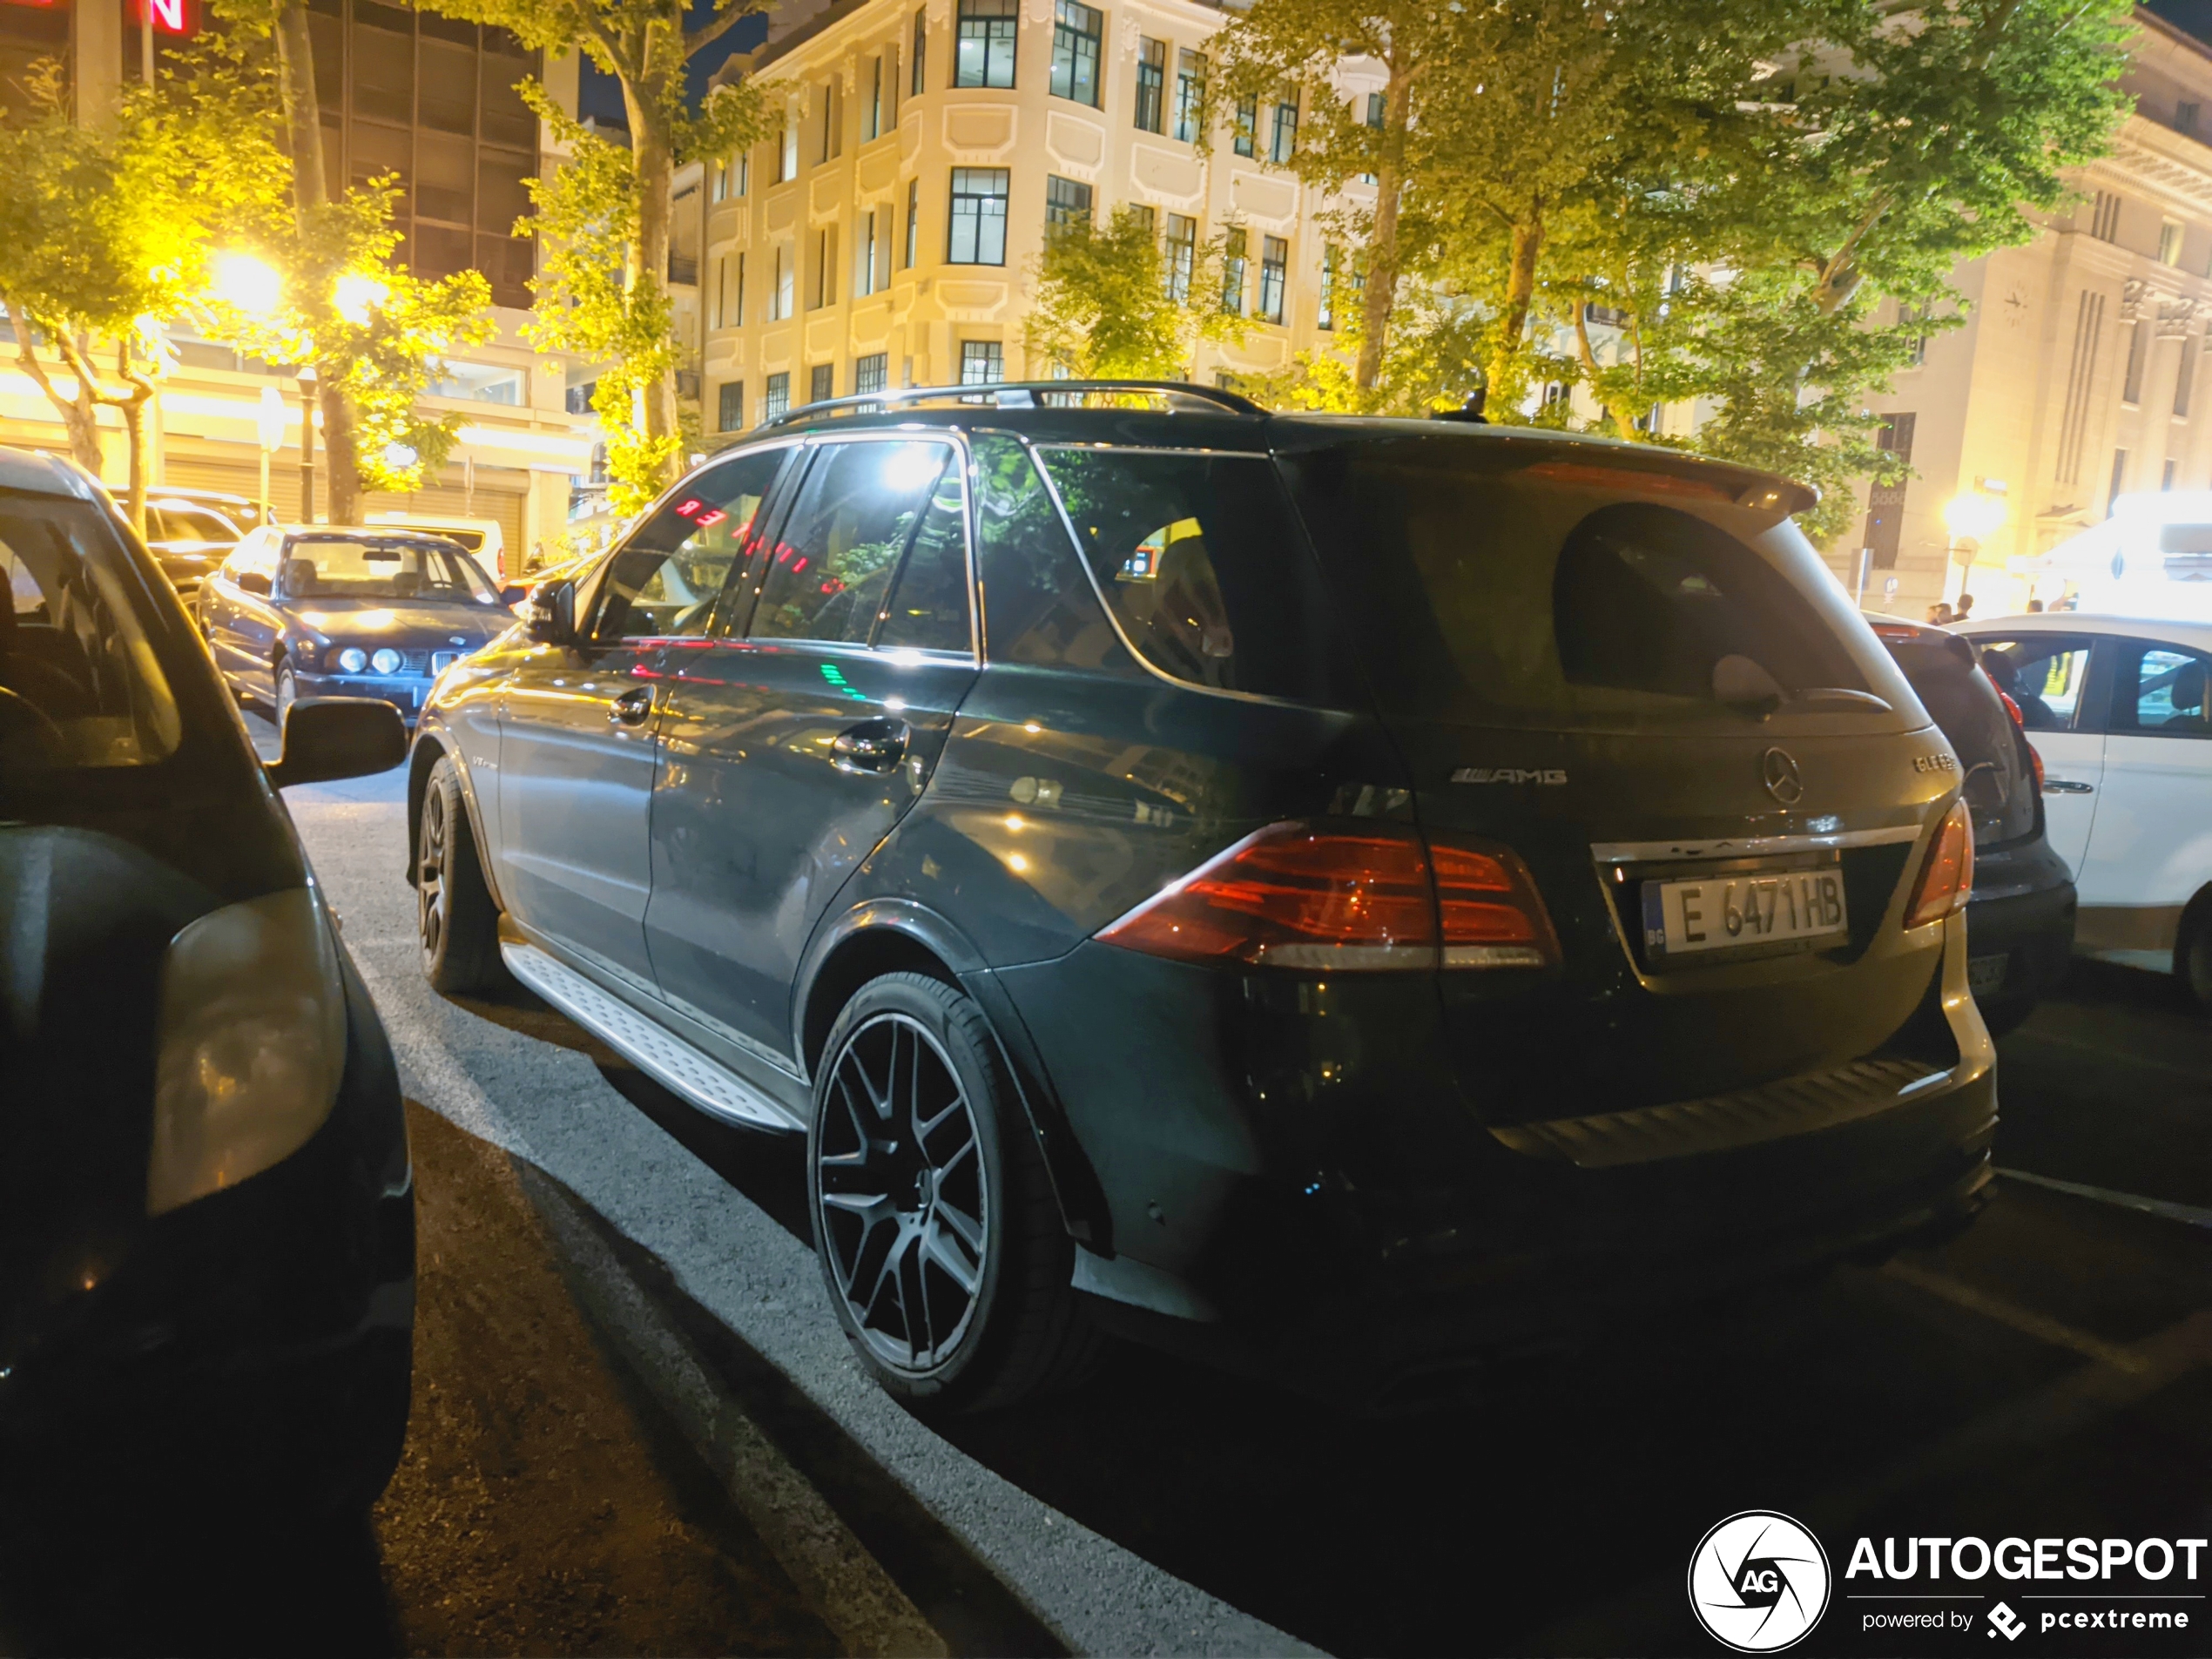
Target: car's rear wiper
(1743, 684)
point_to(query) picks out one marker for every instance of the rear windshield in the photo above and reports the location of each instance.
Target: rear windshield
(334, 567)
(80, 686)
(1999, 787)
(1496, 581)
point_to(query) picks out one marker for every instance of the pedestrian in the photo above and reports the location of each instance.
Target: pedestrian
(1940, 614)
(1966, 607)
(2034, 607)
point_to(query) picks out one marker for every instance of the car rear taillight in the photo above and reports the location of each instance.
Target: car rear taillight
(1947, 876)
(1300, 896)
(2035, 760)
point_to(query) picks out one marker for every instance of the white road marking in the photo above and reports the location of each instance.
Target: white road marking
(2189, 1215)
(2041, 1326)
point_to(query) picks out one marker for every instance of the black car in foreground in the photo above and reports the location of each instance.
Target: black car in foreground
(1357, 897)
(206, 1212)
(2019, 922)
(330, 610)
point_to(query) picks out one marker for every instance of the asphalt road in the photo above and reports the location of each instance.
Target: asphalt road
(2050, 1373)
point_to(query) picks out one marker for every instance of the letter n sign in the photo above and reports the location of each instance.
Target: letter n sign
(170, 17)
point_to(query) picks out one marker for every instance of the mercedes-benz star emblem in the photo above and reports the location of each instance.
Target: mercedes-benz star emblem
(1778, 771)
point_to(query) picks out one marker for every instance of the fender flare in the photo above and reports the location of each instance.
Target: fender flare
(430, 742)
(1076, 1185)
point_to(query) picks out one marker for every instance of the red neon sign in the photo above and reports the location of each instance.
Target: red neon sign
(170, 17)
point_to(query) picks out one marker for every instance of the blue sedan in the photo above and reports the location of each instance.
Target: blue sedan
(329, 611)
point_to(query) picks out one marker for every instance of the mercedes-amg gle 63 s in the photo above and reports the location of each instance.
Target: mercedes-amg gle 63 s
(1358, 897)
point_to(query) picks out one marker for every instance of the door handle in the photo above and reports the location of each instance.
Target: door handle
(2067, 786)
(632, 707)
(873, 746)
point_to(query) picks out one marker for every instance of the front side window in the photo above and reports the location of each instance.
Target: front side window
(666, 579)
(2042, 674)
(977, 235)
(1151, 85)
(1076, 32)
(1199, 558)
(830, 573)
(982, 362)
(1274, 274)
(80, 683)
(364, 567)
(1190, 94)
(928, 608)
(1066, 202)
(984, 51)
(2161, 691)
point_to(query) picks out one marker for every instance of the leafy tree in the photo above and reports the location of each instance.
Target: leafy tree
(611, 227)
(1102, 306)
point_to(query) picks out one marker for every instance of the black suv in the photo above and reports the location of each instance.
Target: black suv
(1358, 897)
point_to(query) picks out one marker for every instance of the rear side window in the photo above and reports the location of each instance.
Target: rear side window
(1038, 606)
(2043, 673)
(1491, 579)
(80, 685)
(2161, 691)
(1201, 562)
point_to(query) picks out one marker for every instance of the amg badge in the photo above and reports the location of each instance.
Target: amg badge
(1508, 775)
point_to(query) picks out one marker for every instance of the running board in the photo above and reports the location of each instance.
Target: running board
(707, 1084)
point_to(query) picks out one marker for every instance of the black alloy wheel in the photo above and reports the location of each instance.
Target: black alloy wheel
(905, 1212)
(456, 922)
(943, 1247)
(288, 693)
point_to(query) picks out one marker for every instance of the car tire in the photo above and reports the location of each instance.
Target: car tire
(457, 921)
(940, 1243)
(2193, 955)
(288, 693)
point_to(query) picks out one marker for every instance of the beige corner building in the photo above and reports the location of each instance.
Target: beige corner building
(2079, 373)
(887, 234)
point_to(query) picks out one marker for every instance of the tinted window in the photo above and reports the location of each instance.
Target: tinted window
(831, 569)
(1491, 579)
(175, 522)
(79, 685)
(927, 610)
(2042, 674)
(345, 567)
(1201, 563)
(1039, 608)
(2161, 691)
(1999, 784)
(667, 578)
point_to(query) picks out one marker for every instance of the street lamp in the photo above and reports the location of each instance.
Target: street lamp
(356, 295)
(1971, 517)
(247, 284)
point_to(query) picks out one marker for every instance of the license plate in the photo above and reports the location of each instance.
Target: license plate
(1795, 908)
(1985, 974)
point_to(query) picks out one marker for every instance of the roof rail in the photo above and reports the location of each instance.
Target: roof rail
(1018, 395)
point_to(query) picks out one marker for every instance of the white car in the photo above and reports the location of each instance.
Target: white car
(483, 538)
(2120, 709)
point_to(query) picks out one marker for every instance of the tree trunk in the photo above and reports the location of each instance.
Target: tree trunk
(1624, 420)
(1380, 296)
(653, 166)
(78, 419)
(1505, 357)
(310, 192)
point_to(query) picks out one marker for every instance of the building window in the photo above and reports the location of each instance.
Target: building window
(913, 220)
(2185, 118)
(1151, 83)
(776, 400)
(1247, 126)
(871, 374)
(721, 191)
(733, 313)
(729, 406)
(977, 235)
(1076, 31)
(821, 383)
(780, 297)
(2170, 243)
(2131, 385)
(871, 117)
(2185, 379)
(982, 362)
(718, 274)
(1274, 272)
(1282, 141)
(1328, 315)
(1190, 94)
(2104, 218)
(824, 291)
(787, 152)
(985, 49)
(832, 127)
(1917, 346)
(1066, 202)
(915, 84)
(742, 168)
(2118, 479)
(1182, 256)
(1232, 272)
(1146, 216)
(2166, 478)
(865, 246)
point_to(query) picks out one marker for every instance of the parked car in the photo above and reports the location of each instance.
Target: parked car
(190, 532)
(206, 1221)
(1359, 898)
(483, 539)
(2117, 707)
(308, 610)
(2019, 922)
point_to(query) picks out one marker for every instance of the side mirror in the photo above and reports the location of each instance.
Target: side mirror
(550, 614)
(326, 738)
(513, 594)
(254, 582)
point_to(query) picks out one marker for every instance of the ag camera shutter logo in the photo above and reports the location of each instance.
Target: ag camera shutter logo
(1759, 1581)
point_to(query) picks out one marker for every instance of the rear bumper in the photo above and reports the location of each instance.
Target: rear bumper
(1294, 1171)
(256, 1343)
(2020, 925)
